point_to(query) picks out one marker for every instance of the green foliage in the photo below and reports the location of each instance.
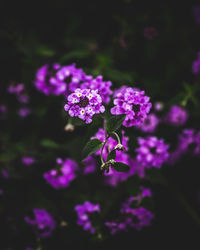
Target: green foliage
(120, 167)
(91, 147)
(114, 123)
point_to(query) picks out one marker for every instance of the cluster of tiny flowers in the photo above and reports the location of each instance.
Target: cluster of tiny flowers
(189, 141)
(62, 176)
(19, 91)
(196, 65)
(103, 87)
(24, 112)
(176, 116)
(150, 33)
(134, 104)
(89, 165)
(150, 124)
(132, 217)
(84, 103)
(47, 82)
(153, 152)
(27, 160)
(84, 212)
(43, 222)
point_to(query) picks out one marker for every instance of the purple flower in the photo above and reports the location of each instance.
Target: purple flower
(150, 33)
(84, 103)
(23, 112)
(132, 215)
(89, 165)
(196, 13)
(84, 213)
(43, 222)
(19, 91)
(3, 109)
(134, 104)
(150, 124)
(5, 173)
(27, 160)
(153, 152)
(63, 175)
(176, 116)
(103, 87)
(196, 65)
(189, 141)
(47, 81)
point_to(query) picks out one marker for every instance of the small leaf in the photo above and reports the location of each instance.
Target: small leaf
(91, 147)
(111, 155)
(115, 122)
(49, 143)
(120, 167)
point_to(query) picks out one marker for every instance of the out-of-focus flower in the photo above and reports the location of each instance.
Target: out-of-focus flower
(23, 112)
(89, 165)
(150, 33)
(132, 215)
(150, 124)
(43, 222)
(153, 152)
(196, 13)
(1, 192)
(103, 87)
(27, 160)
(158, 106)
(176, 116)
(19, 91)
(134, 104)
(63, 175)
(189, 141)
(84, 213)
(84, 103)
(5, 173)
(196, 65)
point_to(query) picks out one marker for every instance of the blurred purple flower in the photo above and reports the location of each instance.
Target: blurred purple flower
(63, 175)
(176, 116)
(150, 33)
(153, 152)
(150, 124)
(196, 65)
(43, 222)
(27, 160)
(89, 165)
(196, 13)
(23, 112)
(84, 213)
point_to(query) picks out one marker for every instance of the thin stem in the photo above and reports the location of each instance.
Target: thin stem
(117, 136)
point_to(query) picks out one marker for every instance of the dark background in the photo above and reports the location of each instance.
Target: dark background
(88, 33)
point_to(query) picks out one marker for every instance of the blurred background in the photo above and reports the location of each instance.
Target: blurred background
(152, 47)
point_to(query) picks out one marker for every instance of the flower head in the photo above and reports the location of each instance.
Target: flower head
(84, 213)
(84, 103)
(153, 152)
(176, 116)
(134, 104)
(62, 176)
(27, 160)
(42, 222)
(150, 124)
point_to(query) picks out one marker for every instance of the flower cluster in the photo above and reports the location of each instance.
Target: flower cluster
(150, 124)
(102, 86)
(132, 215)
(19, 91)
(153, 152)
(176, 116)
(27, 160)
(196, 65)
(84, 103)
(89, 165)
(134, 104)
(62, 176)
(42, 222)
(84, 213)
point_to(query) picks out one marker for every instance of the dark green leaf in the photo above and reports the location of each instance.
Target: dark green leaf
(115, 122)
(120, 167)
(111, 155)
(91, 147)
(49, 143)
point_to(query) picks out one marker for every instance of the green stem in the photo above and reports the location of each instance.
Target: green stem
(117, 136)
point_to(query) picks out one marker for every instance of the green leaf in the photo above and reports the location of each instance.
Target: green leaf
(120, 167)
(47, 143)
(111, 155)
(115, 122)
(91, 147)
